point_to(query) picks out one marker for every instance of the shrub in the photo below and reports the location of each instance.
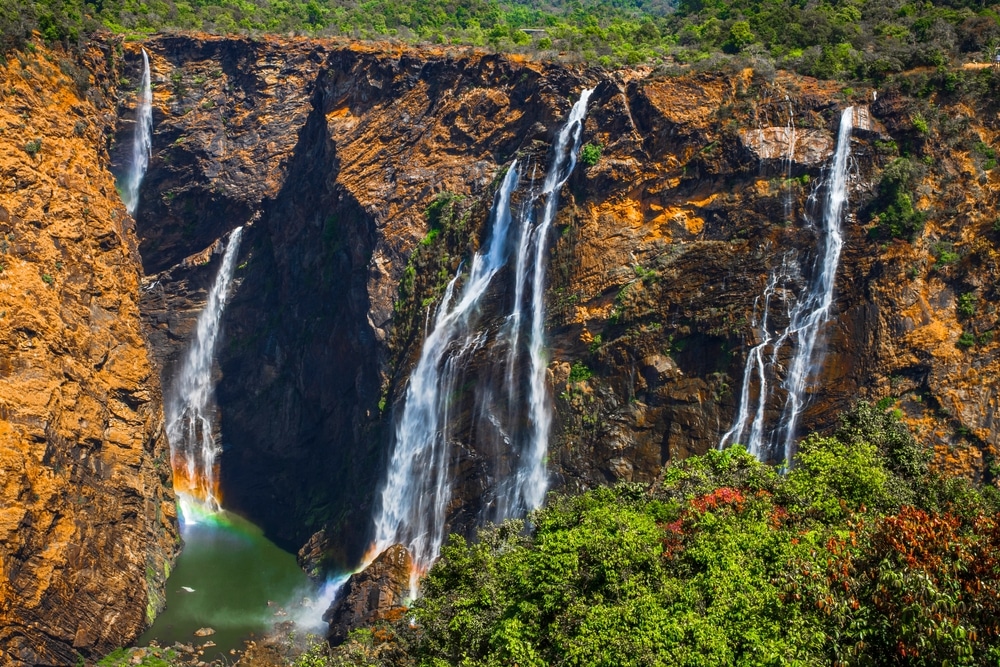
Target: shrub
(590, 154)
(723, 562)
(32, 148)
(579, 372)
(966, 340)
(966, 306)
(944, 254)
(893, 207)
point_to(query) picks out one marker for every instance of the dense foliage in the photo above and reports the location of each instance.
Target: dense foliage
(894, 205)
(826, 38)
(857, 556)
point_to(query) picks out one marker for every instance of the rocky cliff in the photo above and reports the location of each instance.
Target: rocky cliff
(87, 517)
(364, 176)
(335, 153)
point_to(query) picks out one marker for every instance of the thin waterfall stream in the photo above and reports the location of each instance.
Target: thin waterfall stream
(142, 140)
(418, 487)
(807, 319)
(189, 406)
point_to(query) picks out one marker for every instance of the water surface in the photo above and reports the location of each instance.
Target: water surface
(240, 584)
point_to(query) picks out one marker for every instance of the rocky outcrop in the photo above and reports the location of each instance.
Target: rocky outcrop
(87, 518)
(375, 594)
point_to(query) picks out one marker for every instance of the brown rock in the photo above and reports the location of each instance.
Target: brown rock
(84, 541)
(807, 148)
(371, 595)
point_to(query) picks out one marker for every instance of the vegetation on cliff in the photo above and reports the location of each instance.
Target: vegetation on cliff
(850, 39)
(859, 555)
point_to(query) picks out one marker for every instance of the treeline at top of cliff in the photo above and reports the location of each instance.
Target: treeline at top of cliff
(845, 39)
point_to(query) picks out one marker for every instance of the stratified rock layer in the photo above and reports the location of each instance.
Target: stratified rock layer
(87, 518)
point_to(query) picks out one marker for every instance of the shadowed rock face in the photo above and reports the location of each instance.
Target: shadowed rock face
(661, 252)
(87, 519)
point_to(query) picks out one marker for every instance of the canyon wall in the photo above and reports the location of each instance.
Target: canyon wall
(364, 175)
(336, 154)
(88, 526)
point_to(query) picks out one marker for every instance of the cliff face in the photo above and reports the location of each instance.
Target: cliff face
(696, 220)
(663, 252)
(87, 519)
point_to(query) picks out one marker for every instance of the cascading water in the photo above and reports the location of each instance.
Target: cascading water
(749, 425)
(417, 490)
(142, 141)
(193, 450)
(806, 319)
(812, 312)
(532, 475)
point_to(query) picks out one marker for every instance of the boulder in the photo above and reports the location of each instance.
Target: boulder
(376, 593)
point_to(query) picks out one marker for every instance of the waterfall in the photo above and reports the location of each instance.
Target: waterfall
(806, 319)
(193, 450)
(417, 490)
(532, 474)
(812, 312)
(748, 428)
(142, 141)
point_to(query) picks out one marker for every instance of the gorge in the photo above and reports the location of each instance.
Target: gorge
(435, 310)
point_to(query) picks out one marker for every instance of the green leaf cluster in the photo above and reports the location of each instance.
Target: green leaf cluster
(858, 555)
(894, 208)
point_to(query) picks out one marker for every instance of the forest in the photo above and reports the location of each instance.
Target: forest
(845, 39)
(859, 555)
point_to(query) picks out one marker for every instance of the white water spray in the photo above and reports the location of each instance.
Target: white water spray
(417, 491)
(189, 407)
(806, 322)
(142, 141)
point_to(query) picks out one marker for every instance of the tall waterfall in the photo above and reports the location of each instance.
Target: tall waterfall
(812, 312)
(193, 450)
(806, 319)
(533, 475)
(418, 487)
(142, 140)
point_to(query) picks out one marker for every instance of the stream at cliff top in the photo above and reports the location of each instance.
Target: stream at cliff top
(231, 578)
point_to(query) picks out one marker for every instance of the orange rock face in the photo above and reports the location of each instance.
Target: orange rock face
(87, 518)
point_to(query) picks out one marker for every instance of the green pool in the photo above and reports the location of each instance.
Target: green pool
(232, 579)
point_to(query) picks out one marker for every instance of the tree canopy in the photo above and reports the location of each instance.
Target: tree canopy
(860, 555)
(826, 38)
